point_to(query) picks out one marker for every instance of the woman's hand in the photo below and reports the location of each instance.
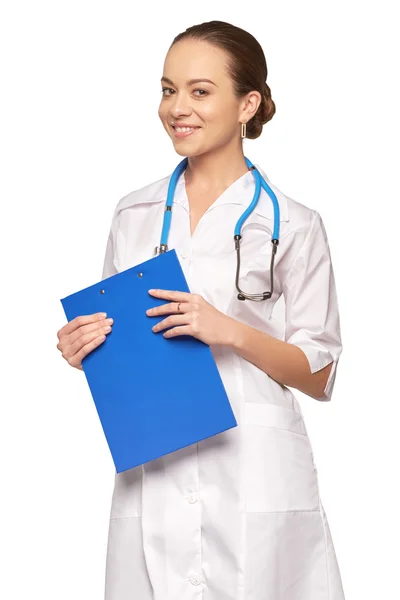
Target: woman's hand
(190, 314)
(82, 335)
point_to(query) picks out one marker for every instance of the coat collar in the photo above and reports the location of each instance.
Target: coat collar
(240, 192)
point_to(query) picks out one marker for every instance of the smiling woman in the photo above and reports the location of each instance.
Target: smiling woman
(237, 516)
(238, 74)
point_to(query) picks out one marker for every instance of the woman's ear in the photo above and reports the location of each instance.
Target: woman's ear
(250, 105)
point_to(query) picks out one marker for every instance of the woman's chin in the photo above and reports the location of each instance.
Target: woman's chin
(181, 151)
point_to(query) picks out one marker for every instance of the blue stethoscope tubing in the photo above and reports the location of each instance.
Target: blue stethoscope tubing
(259, 183)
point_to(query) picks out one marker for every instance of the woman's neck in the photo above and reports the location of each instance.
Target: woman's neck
(215, 171)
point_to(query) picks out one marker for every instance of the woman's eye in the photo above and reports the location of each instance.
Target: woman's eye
(202, 92)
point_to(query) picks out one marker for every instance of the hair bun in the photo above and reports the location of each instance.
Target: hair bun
(267, 107)
(265, 112)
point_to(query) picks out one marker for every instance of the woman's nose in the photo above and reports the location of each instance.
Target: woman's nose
(181, 105)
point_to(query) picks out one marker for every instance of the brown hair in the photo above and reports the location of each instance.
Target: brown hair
(247, 66)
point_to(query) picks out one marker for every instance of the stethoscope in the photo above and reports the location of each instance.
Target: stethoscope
(259, 182)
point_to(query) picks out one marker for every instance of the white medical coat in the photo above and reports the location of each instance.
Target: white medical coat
(237, 516)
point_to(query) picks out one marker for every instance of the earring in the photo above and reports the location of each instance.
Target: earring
(243, 130)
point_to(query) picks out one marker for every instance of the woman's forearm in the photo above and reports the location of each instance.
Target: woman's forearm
(285, 363)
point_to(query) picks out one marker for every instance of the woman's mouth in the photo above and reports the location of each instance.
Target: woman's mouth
(183, 132)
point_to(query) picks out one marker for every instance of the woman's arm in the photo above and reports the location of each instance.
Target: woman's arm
(312, 345)
(285, 363)
(308, 356)
(282, 361)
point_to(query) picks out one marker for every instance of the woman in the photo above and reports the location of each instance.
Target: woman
(237, 516)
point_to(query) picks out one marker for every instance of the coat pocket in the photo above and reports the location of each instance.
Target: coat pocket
(255, 278)
(280, 474)
(254, 275)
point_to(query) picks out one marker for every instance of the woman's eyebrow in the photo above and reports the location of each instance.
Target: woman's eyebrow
(190, 81)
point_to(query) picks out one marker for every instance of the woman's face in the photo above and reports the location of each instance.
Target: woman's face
(209, 106)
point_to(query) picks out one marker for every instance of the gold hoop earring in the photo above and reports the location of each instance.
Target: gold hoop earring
(243, 131)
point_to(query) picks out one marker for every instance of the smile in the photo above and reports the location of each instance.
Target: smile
(181, 132)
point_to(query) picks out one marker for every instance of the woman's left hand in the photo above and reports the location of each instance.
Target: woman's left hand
(190, 314)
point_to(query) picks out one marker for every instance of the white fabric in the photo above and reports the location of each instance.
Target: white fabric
(237, 516)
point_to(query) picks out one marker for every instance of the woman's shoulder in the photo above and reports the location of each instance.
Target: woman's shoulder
(155, 191)
(302, 224)
(297, 214)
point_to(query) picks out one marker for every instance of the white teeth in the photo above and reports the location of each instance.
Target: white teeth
(184, 129)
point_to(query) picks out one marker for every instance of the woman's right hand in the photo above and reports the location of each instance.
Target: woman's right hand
(82, 335)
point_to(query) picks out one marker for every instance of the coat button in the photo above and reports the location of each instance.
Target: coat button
(195, 580)
(192, 499)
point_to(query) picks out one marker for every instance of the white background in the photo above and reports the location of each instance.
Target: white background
(79, 129)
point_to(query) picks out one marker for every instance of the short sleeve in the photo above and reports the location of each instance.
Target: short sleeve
(312, 314)
(108, 263)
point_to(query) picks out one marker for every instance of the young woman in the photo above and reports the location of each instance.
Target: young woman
(237, 516)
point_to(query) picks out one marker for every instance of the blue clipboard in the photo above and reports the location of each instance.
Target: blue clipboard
(153, 395)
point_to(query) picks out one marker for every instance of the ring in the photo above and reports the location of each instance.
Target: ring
(178, 309)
